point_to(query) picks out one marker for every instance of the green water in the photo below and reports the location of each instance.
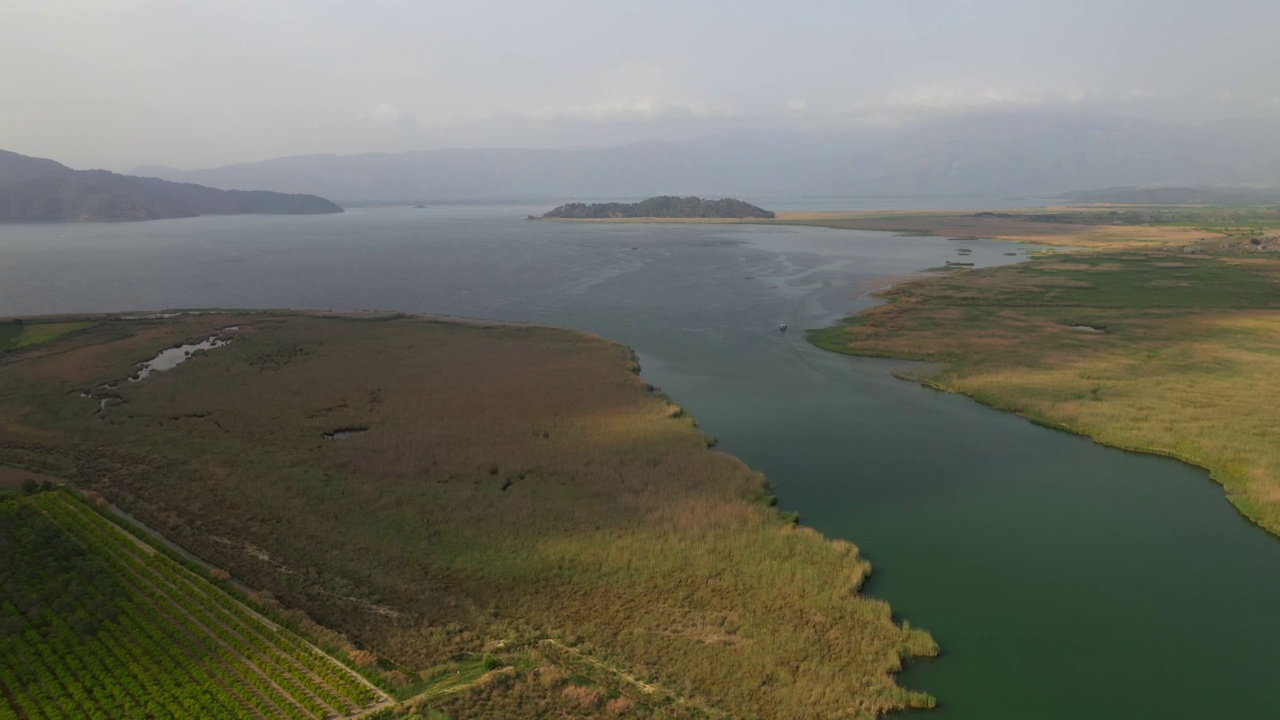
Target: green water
(1062, 579)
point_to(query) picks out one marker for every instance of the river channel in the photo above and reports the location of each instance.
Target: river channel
(1061, 578)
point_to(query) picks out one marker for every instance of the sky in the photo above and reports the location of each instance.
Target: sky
(120, 83)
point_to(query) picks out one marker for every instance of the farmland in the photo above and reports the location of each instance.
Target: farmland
(97, 624)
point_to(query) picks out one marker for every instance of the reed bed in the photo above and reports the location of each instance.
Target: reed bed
(1153, 351)
(507, 485)
(1070, 226)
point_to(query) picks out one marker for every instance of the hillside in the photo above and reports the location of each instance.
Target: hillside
(663, 206)
(39, 190)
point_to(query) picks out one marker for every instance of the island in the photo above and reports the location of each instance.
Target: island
(662, 206)
(40, 190)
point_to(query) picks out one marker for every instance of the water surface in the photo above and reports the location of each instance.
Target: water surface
(1062, 579)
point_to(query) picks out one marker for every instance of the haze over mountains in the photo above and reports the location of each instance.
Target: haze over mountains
(40, 190)
(1012, 153)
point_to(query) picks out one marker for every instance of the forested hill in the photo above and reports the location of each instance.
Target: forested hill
(663, 206)
(38, 190)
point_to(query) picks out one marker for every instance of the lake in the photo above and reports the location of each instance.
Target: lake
(1062, 579)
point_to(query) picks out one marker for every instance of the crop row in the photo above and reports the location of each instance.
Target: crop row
(251, 637)
(117, 671)
(179, 648)
(176, 608)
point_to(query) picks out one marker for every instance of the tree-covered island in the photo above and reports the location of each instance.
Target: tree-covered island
(662, 206)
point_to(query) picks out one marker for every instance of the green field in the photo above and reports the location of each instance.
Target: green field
(95, 624)
(14, 335)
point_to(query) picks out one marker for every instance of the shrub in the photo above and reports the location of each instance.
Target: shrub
(363, 658)
(620, 706)
(583, 695)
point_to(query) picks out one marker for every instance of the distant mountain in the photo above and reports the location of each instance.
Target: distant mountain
(39, 190)
(1011, 153)
(1053, 152)
(663, 206)
(460, 175)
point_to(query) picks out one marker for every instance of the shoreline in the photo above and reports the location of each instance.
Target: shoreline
(1012, 226)
(1213, 473)
(839, 220)
(1234, 487)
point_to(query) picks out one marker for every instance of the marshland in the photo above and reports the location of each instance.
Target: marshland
(1034, 558)
(514, 485)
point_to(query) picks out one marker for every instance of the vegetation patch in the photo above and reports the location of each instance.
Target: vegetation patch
(1069, 227)
(521, 499)
(16, 334)
(663, 206)
(96, 624)
(1183, 357)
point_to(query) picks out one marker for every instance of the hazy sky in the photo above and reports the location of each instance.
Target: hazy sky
(114, 83)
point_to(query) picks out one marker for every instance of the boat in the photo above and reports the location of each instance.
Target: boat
(782, 327)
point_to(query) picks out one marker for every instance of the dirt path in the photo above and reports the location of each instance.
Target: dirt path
(641, 691)
(630, 679)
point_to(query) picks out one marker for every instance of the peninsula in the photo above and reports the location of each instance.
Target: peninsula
(553, 539)
(40, 190)
(1170, 317)
(662, 206)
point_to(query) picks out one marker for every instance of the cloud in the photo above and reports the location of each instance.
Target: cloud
(798, 105)
(642, 109)
(960, 97)
(388, 113)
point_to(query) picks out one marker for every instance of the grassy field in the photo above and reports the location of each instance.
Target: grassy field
(506, 521)
(15, 335)
(1131, 341)
(96, 624)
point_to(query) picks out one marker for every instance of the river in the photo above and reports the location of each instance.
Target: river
(1061, 578)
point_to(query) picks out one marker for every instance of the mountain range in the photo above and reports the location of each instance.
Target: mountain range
(1010, 153)
(40, 190)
